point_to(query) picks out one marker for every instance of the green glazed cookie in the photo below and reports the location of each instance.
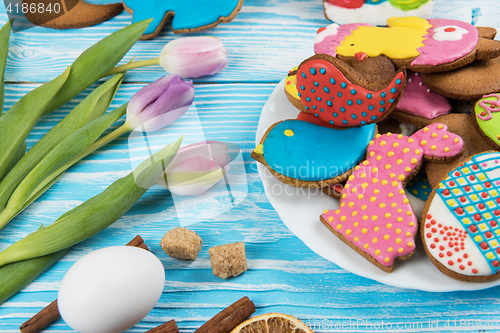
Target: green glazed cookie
(487, 117)
(407, 4)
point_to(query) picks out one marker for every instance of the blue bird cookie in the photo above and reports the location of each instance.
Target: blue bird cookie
(188, 15)
(303, 154)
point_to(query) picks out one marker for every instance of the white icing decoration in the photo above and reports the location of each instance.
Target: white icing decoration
(373, 14)
(481, 158)
(441, 214)
(448, 36)
(329, 31)
(494, 174)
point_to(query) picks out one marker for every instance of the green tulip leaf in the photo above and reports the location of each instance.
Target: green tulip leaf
(65, 151)
(92, 107)
(4, 50)
(16, 124)
(97, 61)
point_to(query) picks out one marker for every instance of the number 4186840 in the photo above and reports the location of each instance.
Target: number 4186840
(33, 8)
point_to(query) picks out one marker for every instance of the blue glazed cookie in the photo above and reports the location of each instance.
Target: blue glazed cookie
(303, 154)
(188, 15)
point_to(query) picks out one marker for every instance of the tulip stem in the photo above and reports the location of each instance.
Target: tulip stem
(133, 65)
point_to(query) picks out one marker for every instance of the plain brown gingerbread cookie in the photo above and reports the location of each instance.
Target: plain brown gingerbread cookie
(469, 83)
(81, 15)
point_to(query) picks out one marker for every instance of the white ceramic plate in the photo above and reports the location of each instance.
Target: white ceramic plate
(300, 209)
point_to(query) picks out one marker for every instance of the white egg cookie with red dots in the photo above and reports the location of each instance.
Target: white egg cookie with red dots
(375, 217)
(460, 226)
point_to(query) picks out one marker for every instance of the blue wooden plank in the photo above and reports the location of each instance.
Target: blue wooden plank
(264, 41)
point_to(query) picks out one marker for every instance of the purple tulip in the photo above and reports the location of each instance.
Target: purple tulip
(196, 168)
(194, 56)
(160, 103)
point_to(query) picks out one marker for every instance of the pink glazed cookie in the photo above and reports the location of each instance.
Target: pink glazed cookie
(418, 100)
(425, 46)
(375, 217)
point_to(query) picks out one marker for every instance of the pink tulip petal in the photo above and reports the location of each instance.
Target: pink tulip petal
(216, 150)
(207, 161)
(163, 120)
(194, 56)
(195, 163)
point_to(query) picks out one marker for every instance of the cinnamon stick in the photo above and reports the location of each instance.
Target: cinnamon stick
(50, 313)
(138, 242)
(229, 318)
(42, 319)
(168, 327)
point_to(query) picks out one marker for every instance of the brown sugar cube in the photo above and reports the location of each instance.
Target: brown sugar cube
(181, 243)
(228, 260)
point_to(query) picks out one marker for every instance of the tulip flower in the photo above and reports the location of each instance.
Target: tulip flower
(189, 57)
(196, 168)
(194, 56)
(160, 103)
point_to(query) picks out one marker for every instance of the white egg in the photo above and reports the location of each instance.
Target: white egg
(111, 289)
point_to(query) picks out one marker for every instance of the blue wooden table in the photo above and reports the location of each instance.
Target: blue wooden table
(264, 41)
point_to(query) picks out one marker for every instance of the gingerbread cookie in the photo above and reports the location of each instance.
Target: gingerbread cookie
(303, 154)
(188, 15)
(469, 83)
(425, 46)
(375, 217)
(460, 226)
(487, 118)
(336, 93)
(373, 11)
(418, 100)
(76, 14)
(460, 124)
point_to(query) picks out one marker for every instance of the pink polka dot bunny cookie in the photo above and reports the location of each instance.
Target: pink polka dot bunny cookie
(375, 217)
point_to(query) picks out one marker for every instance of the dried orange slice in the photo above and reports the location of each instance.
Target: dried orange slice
(272, 323)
